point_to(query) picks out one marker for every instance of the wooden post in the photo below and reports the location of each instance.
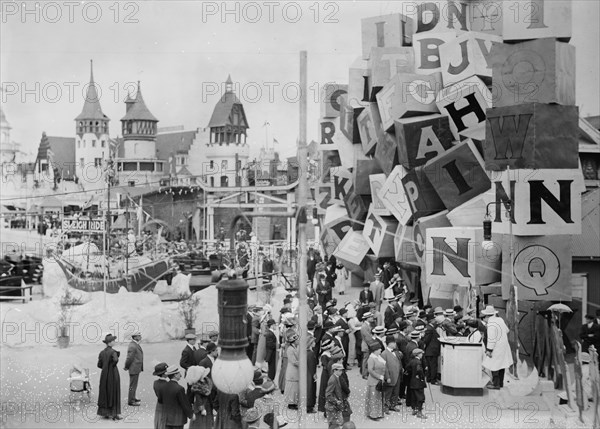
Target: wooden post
(580, 398)
(302, 274)
(595, 380)
(513, 304)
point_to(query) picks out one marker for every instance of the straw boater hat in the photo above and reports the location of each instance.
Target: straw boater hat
(367, 315)
(160, 369)
(378, 330)
(489, 311)
(415, 334)
(438, 310)
(391, 331)
(326, 344)
(449, 312)
(136, 334)
(337, 366)
(173, 369)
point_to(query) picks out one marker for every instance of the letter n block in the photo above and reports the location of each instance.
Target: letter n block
(538, 71)
(422, 196)
(454, 255)
(541, 268)
(532, 136)
(458, 174)
(465, 104)
(419, 232)
(394, 30)
(422, 138)
(331, 94)
(352, 250)
(379, 233)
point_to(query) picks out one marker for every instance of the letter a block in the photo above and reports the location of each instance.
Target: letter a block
(458, 174)
(379, 233)
(377, 182)
(541, 268)
(352, 250)
(422, 138)
(337, 222)
(422, 196)
(465, 104)
(330, 99)
(468, 55)
(394, 197)
(408, 95)
(539, 71)
(454, 256)
(544, 202)
(385, 63)
(394, 30)
(532, 136)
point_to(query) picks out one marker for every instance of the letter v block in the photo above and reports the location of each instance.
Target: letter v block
(458, 174)
(532, 136)
(455, 256)
(393, 196)
(422, 138)
(538, 71)
(543, 202)
(465, 104)
(379, 233)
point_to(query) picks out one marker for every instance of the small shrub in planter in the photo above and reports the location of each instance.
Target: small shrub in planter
(66, 303)
(188, 306)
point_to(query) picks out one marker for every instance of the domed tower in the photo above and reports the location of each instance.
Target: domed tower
(92, 141)
(227, 150)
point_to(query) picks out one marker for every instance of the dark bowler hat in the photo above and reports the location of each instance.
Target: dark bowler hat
(160, 369)
(109, 338)
(211, 347)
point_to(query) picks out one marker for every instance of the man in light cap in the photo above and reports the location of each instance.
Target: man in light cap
(336, 400)
(416, 384)
(187, 355)
(134, 364)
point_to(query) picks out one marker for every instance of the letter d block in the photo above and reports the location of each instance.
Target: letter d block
(408, 95)
(532, 136)
(422, 138)
(541, 268)
(538, 71)
(465, 104)
(458, 174)
(394, 30)
(454, 255)
(352, 250)
(330, 99)
(379, 233)
(422, 196)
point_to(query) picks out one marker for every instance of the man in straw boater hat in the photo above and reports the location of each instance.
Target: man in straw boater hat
(416, 384)
(176, 405)
(498, 355)
(134, 363)
(109, 392)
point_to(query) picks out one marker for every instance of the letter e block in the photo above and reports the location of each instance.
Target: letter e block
(352, 250)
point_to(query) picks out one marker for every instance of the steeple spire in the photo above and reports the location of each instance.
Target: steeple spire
(229, 84)
(91, 107)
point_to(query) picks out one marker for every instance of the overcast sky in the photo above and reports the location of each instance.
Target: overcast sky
(182, 54)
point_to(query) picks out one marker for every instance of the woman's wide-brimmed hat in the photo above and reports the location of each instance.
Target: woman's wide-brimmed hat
(160, 369)
(109, 338)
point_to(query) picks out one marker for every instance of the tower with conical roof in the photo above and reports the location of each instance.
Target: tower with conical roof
(92, 140)
(227, 150)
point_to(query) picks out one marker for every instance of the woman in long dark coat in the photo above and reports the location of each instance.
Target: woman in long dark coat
(109, 392)
(160, 418)
(311, 382)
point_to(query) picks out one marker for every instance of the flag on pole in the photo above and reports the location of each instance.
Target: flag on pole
(266, 123)
(275, 141)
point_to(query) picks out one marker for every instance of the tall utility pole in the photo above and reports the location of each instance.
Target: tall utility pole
(302, 200)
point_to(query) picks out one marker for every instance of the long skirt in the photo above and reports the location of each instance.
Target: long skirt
(282, 372)
(292, 392)
(261, 349)
(160, 417)
(203, 422)
(374, 403)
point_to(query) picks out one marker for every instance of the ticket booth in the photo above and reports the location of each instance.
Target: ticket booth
(462, 373)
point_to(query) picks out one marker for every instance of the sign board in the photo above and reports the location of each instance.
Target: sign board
(84, 225)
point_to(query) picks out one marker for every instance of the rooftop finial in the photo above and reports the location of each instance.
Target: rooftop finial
(229, 84)
(91, 70)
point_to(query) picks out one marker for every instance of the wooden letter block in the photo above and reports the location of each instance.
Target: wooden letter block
(422, 196)
(532, 136)
(408, 95)
(368, 121)
(390, 31)
(332, 138)
(538, 71)
(470, 213)
(330, 99)
(342, 185)
(454, 256)
(468, 55)
(337, 222)
(377, 183)
(352, 250)
(386, 151)
(330, 162)
(541, 268)
(394, 198)
(363, 168)
(458, 174)
(465, 104)
(358, 83)
(422, 138)
(420, 227)
(385, 63)
(544, 202)
(323, 196)
(349, 120)
(441, 16)
(379, 233)
(404, 248)
(427, 51)
(357, 207)
(523, 19)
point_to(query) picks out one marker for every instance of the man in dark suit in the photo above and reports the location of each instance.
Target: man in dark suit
(271, 348)
(391, 313)
(416, 384)
(392, 376)
(366, 296)
(187, 354)
(431, 341)
(134, 364)
(590, 334)
(209, 360)
(249, 316)
(342, 322)
(176, 405)
(200, 353)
